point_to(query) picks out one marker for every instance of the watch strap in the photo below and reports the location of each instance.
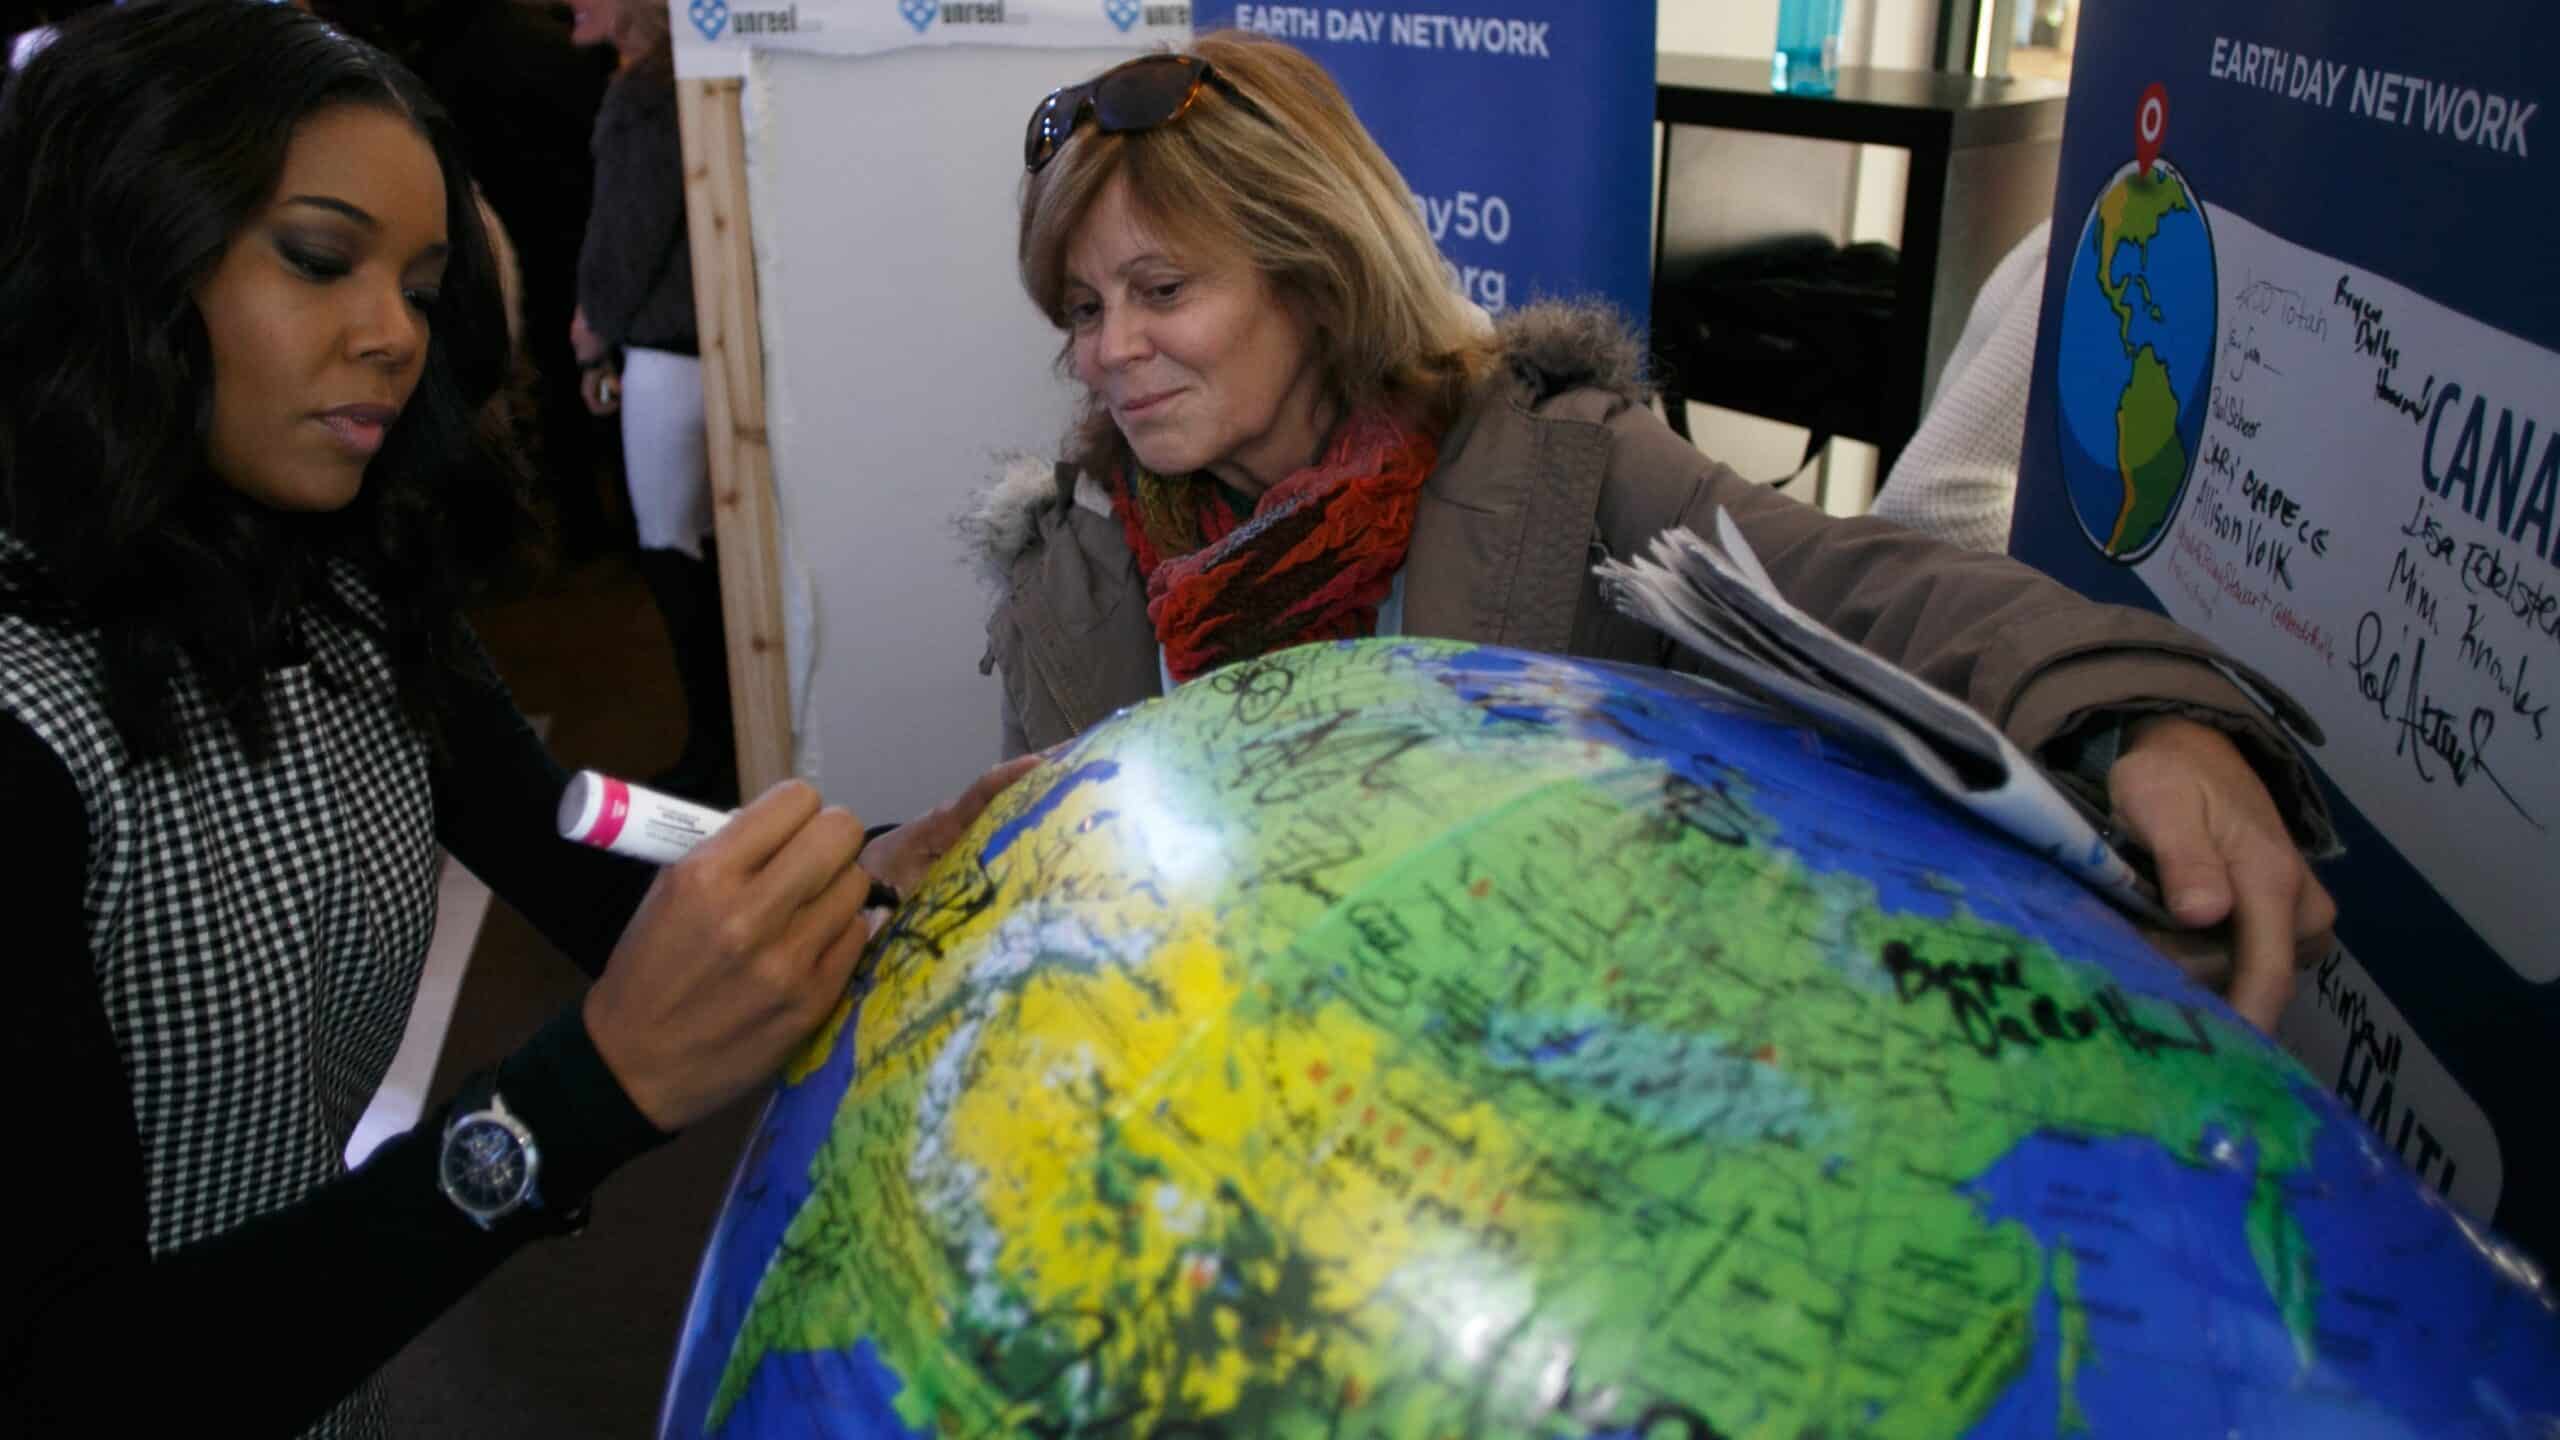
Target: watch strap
(563, 1091)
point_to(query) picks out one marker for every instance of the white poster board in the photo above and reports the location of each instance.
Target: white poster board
(901, 359)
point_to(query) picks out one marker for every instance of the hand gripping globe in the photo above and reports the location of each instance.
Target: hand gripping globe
(1403, 1038)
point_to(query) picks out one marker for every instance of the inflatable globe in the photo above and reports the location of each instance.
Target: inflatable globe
(2134, 365)
(1401, 1038)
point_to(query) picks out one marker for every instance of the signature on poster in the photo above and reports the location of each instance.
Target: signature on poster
(2240, 353)
(2286, 307)
(2439, 741)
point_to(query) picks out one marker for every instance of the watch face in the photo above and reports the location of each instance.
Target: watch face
(484, 1166)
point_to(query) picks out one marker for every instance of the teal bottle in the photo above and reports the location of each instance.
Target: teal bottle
(1807, 61)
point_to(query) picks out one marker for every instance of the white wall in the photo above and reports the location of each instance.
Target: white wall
(1718, 27)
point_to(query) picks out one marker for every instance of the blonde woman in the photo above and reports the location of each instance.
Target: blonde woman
(1295, 429)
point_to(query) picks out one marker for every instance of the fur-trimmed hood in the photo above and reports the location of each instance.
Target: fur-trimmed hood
(1002, 519)
(1553, 347)
(1548, 349)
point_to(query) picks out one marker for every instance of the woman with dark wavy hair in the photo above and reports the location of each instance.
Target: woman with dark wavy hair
(248, 325)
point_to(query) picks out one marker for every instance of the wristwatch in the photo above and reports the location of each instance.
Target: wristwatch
(489, 1165)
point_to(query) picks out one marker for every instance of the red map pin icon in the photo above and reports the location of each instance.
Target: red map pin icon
(2150, 126)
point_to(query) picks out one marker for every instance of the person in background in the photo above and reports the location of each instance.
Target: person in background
(634, 332)
(30, 28)
(524, 99)
(1294, 430)
(1958, 478)
(248, 326)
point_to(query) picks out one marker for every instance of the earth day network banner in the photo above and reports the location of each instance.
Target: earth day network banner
(1523, 126)
(713, 36)
(2298, 386)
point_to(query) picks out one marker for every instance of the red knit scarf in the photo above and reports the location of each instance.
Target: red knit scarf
(1312, 562)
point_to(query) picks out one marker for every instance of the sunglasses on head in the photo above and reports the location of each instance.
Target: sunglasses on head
(1139, 94)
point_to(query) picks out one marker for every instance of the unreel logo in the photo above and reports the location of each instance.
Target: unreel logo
(708, 17)
(966, 12)
(919, 13)
(784, 21)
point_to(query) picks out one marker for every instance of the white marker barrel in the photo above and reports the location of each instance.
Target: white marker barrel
(634, 820)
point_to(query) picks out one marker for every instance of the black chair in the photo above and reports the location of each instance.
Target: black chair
(1794, 328)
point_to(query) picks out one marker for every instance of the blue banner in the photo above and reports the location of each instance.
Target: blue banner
(2298, 385)
(1523, 126)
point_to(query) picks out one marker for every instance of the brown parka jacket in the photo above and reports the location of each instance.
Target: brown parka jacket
(1559, 463)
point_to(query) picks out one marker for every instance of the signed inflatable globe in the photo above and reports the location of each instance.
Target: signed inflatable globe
(1407, 1039)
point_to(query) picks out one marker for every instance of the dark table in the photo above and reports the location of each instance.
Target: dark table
(1742, 165)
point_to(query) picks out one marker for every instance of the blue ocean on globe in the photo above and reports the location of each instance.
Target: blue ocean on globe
(2172, 298)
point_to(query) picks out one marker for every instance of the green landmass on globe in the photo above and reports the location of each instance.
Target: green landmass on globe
(1405, 1038)
(2130, 214)
(2148, 452)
